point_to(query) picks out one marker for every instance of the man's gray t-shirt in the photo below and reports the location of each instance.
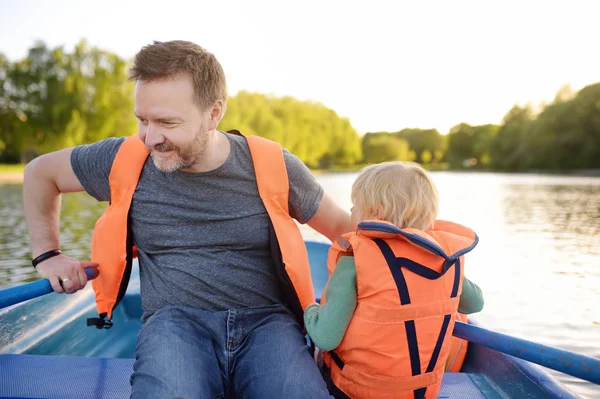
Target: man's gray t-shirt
(202, 238)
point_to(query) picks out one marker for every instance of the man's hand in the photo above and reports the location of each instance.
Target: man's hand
(66, 270)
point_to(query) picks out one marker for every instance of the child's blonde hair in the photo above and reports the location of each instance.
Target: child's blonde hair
(401, 193)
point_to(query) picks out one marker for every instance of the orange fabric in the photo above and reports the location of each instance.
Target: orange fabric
(273, 188)
(458, 349)
(375, 348)
(109, 241)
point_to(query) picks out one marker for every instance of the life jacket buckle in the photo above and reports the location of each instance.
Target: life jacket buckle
(100, 322)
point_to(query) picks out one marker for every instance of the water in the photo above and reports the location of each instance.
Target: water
(537, 261)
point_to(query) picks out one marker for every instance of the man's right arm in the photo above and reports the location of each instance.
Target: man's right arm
(45, 178)
(86, 167)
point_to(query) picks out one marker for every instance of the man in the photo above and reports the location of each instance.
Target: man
(218, 318)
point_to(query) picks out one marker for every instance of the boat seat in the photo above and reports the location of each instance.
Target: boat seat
(66, 377)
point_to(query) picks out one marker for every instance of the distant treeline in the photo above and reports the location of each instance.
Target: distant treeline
(52, 99)
(564, 135)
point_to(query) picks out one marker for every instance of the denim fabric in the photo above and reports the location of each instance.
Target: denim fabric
(260, 353)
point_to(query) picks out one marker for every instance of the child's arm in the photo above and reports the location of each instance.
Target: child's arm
(471, 298)
(327, 324)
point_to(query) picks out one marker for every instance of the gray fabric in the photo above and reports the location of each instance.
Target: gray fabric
(202, 238)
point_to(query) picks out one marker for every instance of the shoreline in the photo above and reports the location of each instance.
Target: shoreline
(11, 177)
(547, 172)
(17, 176)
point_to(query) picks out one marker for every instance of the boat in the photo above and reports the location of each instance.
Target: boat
(48, 351)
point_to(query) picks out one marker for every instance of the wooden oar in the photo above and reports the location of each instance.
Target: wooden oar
(24, 292)
(576, 365)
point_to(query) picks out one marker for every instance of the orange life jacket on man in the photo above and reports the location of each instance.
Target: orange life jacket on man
(408, 287)
(112, 246)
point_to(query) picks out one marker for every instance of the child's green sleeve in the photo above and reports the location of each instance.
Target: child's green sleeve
(327, 324)
(471, 298)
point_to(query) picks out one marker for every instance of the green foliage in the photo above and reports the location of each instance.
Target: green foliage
(421, 140)
(53, 99)
(420, 145)
(381, 147)
(426, 157)
(564, 136)
(467, 143)
(313, 132)
(12, 168)
(507, 148)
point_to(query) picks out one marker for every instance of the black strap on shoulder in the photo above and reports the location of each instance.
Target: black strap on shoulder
(396, 271)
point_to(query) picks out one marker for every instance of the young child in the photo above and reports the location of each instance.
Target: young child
(396, 286)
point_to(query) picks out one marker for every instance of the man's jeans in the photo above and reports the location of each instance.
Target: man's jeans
(257, 353)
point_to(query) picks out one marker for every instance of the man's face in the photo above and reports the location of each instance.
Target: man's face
(171, 122)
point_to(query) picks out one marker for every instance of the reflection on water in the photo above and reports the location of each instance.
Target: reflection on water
(78, 214)
(537, 261)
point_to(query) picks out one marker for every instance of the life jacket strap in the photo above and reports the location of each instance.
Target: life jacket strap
(339, 362)
(100, 322)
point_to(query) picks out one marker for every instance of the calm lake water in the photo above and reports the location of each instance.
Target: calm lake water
(538, 260)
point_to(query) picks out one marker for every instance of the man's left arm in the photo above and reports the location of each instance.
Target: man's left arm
(330, 219)
(309, 203)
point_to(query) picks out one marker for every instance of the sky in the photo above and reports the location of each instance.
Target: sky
(384, 65)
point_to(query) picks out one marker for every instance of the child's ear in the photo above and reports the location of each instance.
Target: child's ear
(379, 213)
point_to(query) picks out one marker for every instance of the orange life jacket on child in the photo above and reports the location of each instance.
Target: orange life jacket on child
(408, 285)
(458, 348)
(112, 245)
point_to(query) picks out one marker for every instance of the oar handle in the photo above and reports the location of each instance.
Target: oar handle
(576, 365)
(25, 292)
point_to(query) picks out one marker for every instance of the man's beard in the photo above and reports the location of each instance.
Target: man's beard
(183, 157)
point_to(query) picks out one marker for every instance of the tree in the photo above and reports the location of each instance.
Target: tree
(426, 157)
(313, 132)
(381, 147)
(420, 140)
(508, 150)
(461, 141)
(565, 135)
(53, 99)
